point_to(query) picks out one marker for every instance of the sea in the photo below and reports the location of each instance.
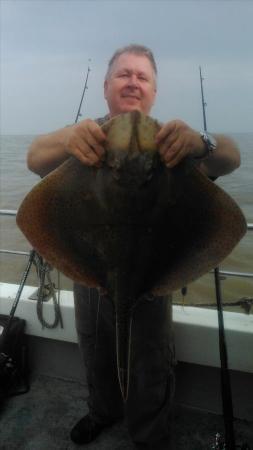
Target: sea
(16, 181)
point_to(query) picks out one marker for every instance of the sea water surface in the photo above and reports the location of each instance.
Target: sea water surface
(16, 181)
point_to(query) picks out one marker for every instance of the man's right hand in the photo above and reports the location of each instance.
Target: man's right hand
(84, 141)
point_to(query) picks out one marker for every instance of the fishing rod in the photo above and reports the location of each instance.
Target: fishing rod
(227, 405)
(84, 89)
(43, 269)
(226, 392)
(204, 104)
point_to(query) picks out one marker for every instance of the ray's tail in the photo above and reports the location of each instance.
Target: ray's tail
(123, 349)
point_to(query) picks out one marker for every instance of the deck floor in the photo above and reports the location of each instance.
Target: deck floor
(42, 419)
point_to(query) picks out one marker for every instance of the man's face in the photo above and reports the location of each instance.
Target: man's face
(131, 85)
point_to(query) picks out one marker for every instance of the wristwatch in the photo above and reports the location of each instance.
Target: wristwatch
(210, 144)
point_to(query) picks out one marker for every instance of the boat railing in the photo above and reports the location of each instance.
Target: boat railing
(226, 273)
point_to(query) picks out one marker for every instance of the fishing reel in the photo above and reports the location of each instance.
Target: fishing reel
(220, 444)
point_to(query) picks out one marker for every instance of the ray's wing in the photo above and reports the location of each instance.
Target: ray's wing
(132, 226)
(162, 228)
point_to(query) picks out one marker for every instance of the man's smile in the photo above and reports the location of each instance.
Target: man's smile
(131, 96)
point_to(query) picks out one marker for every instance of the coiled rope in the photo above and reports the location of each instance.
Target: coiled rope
(43, 273)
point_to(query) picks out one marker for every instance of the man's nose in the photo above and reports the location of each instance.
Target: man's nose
(133, 81)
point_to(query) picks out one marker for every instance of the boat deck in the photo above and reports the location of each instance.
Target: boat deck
(42, 419)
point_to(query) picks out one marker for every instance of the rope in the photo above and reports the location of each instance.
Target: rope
(43, 272)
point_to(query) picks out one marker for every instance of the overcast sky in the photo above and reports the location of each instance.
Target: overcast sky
(46, 46)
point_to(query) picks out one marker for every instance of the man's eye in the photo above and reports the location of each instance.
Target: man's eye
(142, 78)
(123, 75)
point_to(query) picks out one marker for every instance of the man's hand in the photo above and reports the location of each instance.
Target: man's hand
(84, 140)
(176, 140)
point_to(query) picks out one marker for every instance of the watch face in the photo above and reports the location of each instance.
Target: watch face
(212, 141)
(209, 141)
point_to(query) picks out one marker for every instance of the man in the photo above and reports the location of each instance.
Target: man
(130, 84)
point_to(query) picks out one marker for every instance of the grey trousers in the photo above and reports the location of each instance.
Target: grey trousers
(151, 388)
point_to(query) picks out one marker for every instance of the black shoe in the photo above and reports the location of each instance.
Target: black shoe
(86, 430)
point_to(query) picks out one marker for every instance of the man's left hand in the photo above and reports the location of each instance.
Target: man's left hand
(176, 140)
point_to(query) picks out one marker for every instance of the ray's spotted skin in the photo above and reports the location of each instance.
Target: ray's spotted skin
(131, 226)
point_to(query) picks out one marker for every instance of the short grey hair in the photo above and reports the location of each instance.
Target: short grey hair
(136, 50)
